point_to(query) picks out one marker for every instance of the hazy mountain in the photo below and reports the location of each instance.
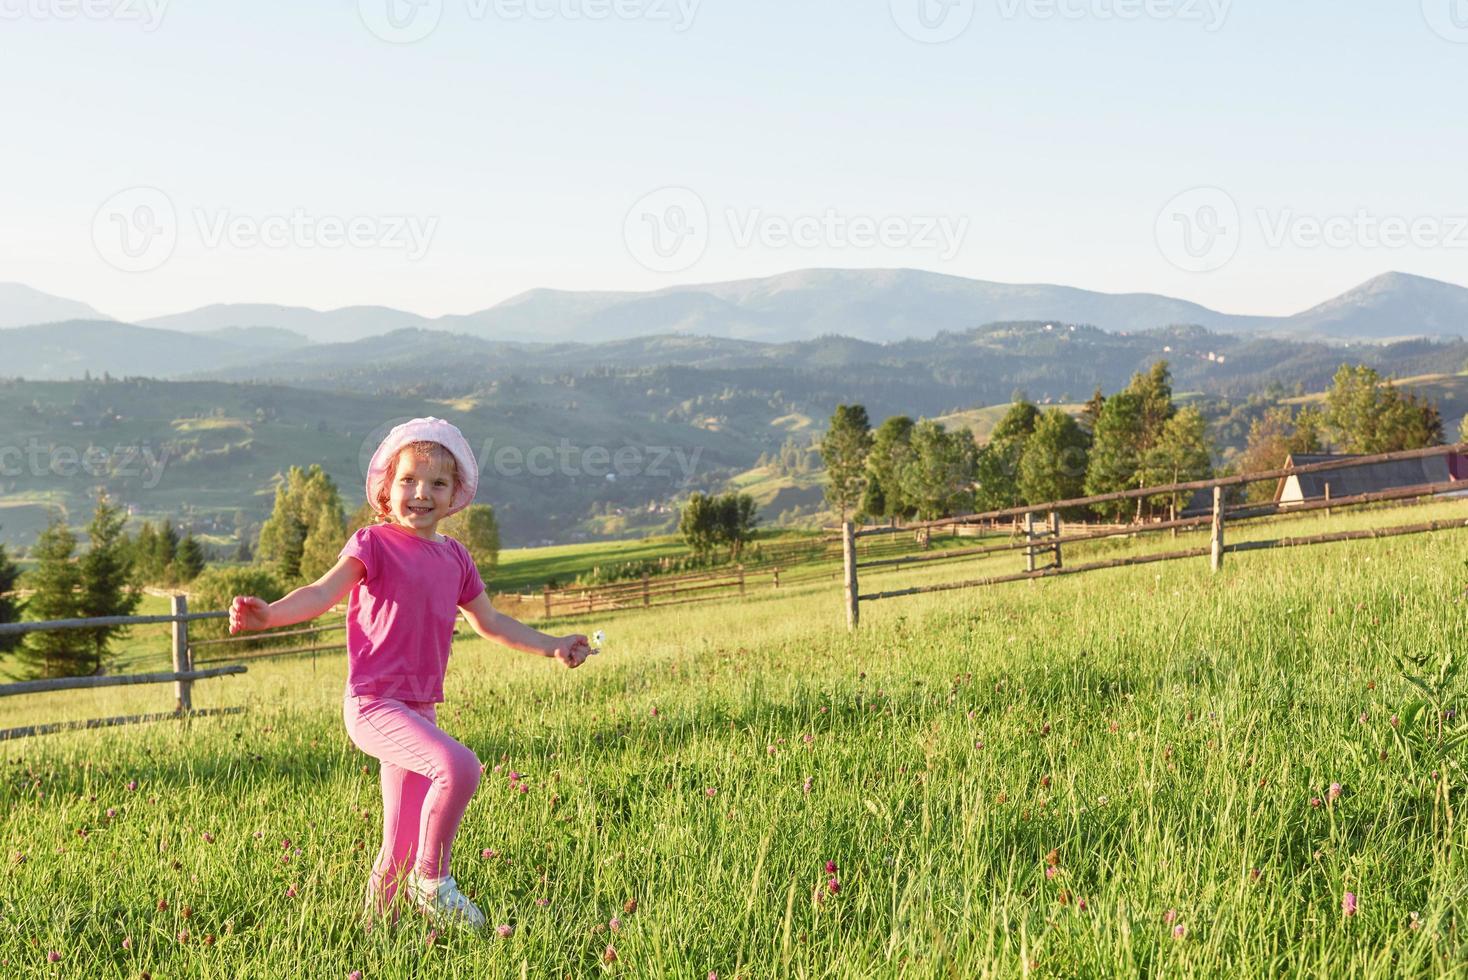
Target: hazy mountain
(320, 326)
(880, 306)
(22, 306)
(877, 305)
(70, 349)
(1390, 306)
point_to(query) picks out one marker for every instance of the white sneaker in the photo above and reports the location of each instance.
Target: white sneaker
(441, 897)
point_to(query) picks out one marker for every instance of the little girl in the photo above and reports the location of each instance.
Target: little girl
(407, 584)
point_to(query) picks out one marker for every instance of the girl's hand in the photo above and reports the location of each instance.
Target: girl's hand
(571, 650)
(247, 612)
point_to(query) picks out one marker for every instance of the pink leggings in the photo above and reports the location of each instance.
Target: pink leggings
(427, 780)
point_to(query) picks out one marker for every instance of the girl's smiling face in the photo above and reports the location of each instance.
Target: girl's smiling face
(422, 489)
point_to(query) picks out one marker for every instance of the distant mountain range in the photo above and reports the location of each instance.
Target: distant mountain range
(874, 305)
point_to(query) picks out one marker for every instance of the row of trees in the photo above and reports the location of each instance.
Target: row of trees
(910, 469)
(1136, 437)
(101, 582)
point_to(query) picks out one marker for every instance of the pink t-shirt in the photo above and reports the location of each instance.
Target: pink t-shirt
(400, 617)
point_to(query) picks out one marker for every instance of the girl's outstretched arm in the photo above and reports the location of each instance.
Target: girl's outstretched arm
(492, 624)
(307, 602)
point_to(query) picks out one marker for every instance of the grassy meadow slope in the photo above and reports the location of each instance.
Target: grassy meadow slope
(1158, 733)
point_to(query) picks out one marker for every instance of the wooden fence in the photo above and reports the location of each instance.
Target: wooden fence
(182, 676)
(1049, 540)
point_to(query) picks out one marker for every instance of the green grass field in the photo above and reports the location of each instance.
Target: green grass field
(1108, 774)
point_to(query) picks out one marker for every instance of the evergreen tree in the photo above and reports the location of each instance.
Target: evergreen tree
(145, 548)
(106, 580)
(306, 528)
(939, 477)
(1092, 411)
(477, 530)
(1181, 455)
(1155, 391)
(54, 653)
(1116, 452)
(189, 561)
(1055, 458)
(873, 500)
(891, 448)
(844, 451)
(165, 549)
(996, 465)
(10, 605)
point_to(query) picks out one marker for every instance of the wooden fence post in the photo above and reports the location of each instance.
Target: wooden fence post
(848, 550)
(1327, 497)
(646, 599)
(777, 576)
(741, 579)
(1217, 544)
(1055, 534)
(182, 658)
(547, 602)
(1029, 542)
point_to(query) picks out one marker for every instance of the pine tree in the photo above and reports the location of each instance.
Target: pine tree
(1182, 454)
(10, 606)
(844, 450)
(1092, 411)
(891, 449)
(106, 579)
(189, 561)
(939, 477)
(307, 506)
(54, 653)
(1369, 415)
(1116, 452)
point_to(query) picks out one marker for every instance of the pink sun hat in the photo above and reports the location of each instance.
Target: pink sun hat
(427, 429)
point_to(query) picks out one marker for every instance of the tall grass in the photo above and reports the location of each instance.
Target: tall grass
(1109, 774)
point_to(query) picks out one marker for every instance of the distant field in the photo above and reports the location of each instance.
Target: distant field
(981, 421)
(1105, 775)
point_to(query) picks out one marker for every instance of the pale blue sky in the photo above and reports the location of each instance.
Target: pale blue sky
(521, 144)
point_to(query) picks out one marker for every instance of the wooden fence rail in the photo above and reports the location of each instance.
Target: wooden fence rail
(1035, 541)
(182, 676)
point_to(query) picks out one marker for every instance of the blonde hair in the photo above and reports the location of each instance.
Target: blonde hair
(423, 451)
